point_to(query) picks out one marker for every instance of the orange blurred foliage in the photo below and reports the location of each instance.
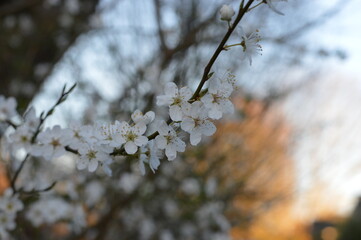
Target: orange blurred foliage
(251, 159)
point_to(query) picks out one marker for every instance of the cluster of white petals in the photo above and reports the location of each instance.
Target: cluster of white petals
(51, 210)
(216, 100)
(52, 143)
(197, 123)
(177, 100)
(250, 44)
(169, 141)
(10, 204)
(95, 145)
(190, 115)
(150, 154)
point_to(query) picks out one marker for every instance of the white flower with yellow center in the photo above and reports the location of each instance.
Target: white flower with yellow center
(52, 142)
(216, 100)
(250, 44)
(21, 138)
(10, 203)
(177, 100)
(132, 136)
(196, 123)
(91, 155)
(168, 140)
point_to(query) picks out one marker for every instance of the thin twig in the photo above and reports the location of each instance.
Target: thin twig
(40, 190)
(11, 124)
(13, 180)
(61, 99)
(64, 94)
(220, 48)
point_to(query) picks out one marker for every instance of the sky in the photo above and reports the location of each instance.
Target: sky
(326, 116)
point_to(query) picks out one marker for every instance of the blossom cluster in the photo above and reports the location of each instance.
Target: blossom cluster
(10, 204)
(190, 116)
(51, 210)
(95, 145)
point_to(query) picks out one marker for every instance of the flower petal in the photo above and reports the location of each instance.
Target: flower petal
(171, 153)
(175, 113)
(171, 89)
(161, 142)
(187, 124)
(208, 128)
(195, 138)
(186, 93)
(180, 145)
(137, 116)
(82, 163)
(141, 141)
(164, 100)
(93, 164)
(154, 163)
(130, 147)
(139, 128)
(163, 127)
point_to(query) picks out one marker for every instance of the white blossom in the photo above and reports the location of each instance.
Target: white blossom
(177, 100)
(31, 120)
(168, 140)
(111, 135)
(52, 142)
(91, 155)
(132, 136)
(196, 123)
(149, 154)
(86, 134)
(7, 108)
(48, 211)
(36, 214)
(21, 138)
(139, 117)
(77, 139)
(226, 12)
(250, 44)
(7, 221)
(216, 100)
(9, 203)
(89, 134)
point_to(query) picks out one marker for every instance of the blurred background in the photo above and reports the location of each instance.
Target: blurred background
(285, 165)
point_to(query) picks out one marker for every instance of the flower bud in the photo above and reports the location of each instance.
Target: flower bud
(226, 12)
